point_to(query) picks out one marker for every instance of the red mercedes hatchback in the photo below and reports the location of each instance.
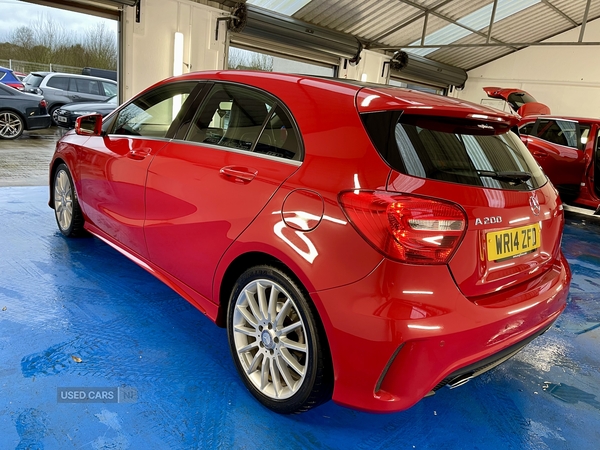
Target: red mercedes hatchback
(360, 242)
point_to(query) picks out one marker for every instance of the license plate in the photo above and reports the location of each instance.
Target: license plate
(515, 241)
(62, 119)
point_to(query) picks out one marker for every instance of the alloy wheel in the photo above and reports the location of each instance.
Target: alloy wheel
(270, 339)
(63, 200)
(11, 125)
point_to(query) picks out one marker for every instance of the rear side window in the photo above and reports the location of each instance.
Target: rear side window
(58, 83)
(244, 119)
(561, 132)
(452, 150)
(84, 86)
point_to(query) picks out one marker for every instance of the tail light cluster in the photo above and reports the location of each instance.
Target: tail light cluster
(406, 228)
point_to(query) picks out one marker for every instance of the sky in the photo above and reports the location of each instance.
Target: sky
(14, 13)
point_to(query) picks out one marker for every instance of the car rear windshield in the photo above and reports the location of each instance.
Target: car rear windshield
(33, 80)
(456, 151)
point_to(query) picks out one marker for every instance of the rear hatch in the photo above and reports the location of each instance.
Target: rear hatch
(445, 149)
(520, 101)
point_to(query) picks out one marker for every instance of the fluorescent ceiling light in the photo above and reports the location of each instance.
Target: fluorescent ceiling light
(286, 7)
(477, 20)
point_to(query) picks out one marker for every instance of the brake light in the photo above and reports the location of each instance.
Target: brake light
(406, 228)
(43, 104)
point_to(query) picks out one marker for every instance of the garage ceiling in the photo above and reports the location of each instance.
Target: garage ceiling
(454, 32)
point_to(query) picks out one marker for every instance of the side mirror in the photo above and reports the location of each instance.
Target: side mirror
(89, 125)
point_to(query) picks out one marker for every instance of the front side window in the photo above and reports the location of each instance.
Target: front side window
(455, 151)
(527, 128)
(152, 114)
(561, 132)
(241, 118)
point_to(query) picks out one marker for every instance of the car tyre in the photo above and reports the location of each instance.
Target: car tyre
(67, 211)
(54, 114)
(277, 345)
(11, 125)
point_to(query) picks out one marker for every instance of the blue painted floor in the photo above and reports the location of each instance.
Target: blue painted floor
(76, 314)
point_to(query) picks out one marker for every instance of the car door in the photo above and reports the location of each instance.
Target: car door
(205, 189)
(114, 167)
(556, 146)
(84, 90)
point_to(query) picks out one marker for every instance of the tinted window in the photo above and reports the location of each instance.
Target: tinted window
(58, 83)
(85, 86)
(231, 117)
(109, 88)
(152, 114)
(447, 150)
(518, 99)
(33, 80)
(527, 128)
(2, 75)
(559, 132)
(242, 118)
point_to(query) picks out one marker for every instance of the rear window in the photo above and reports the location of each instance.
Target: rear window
(33, 80)
(443, 149)
(518, 99)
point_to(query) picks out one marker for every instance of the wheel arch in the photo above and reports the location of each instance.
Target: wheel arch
(55, 163)
(249, 259)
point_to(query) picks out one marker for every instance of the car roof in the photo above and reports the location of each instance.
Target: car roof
(76, 75)
(555, 117)
(372, 98)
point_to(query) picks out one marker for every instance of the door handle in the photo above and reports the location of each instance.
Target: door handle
(138, 154)
(240, 173)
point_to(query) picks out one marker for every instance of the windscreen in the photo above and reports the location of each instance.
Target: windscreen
(453, 150)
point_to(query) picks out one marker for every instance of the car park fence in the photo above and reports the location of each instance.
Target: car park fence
(27, 66)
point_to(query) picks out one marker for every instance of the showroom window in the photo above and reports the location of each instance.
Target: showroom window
(241, 59)
(245, 119)
(152, 114)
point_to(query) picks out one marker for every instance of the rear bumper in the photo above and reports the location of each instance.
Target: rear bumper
(404, 331)
(38, 122)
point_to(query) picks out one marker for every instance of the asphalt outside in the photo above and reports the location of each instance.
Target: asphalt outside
(77, 316)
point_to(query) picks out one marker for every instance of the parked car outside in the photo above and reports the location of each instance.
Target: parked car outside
(61, 88)
(21, 111)
(8, 77)
(359, 242)
(567, 149)
(67, 114)
(101, 73)
(519, 101)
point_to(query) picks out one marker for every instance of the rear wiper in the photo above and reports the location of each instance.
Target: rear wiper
(512, 177)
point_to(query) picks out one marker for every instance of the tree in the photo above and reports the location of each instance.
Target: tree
(46, 41)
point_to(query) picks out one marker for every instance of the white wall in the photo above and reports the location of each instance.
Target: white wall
(566, 78)
(149, 44)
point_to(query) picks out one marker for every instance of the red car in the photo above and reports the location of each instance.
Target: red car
(520, 101)
(567, 148)
(361, 242)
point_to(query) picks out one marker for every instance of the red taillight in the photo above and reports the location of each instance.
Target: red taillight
(43, 104)
(406, 228)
